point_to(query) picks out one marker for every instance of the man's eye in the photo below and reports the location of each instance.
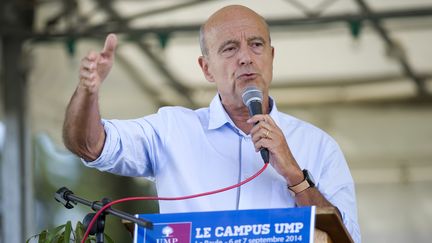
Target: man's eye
(229, 49)
(257, 44)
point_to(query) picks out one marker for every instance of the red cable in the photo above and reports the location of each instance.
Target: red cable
(167, 199)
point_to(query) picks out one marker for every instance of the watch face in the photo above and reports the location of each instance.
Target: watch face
(309, 177)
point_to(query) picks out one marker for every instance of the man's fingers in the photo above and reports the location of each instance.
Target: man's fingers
(92, 56)
(110, 45)
(262, 134)
(263, 143)
(88, 64)
(85, 74)
(256, 118)
(261, 118)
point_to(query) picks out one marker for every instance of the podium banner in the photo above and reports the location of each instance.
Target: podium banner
(237, 226)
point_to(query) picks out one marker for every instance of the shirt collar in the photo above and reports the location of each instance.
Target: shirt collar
(219, 117)
(274, 113)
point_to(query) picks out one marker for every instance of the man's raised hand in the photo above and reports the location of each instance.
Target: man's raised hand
(95, 66)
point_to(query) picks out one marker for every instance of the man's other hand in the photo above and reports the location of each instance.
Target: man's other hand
(95, 66)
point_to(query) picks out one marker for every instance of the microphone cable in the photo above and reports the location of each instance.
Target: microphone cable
(126, 199)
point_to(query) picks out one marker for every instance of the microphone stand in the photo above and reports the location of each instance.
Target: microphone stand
(67, 197)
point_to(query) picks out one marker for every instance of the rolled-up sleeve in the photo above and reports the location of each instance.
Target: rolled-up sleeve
(128, 148)
(344, 200)
(337, 185)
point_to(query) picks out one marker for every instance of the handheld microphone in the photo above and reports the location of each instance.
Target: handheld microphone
(252, 98)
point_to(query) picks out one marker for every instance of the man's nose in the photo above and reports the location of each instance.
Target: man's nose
(245, 56)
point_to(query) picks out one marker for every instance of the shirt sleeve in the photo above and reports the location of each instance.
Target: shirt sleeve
(337, 185)
(130, 147)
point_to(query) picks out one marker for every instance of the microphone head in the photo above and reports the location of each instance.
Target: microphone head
(251, 93)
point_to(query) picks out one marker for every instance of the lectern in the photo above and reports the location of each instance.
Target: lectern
(329, 227)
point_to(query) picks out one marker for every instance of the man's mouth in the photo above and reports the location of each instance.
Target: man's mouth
(247, 76)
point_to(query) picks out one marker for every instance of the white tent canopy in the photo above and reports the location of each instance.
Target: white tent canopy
(326, 51)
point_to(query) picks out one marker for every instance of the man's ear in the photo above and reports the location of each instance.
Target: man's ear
(202, 61)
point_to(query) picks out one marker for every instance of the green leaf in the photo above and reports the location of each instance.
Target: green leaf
(54, 232)
(91, 239)
(108, 239)
(57, 238)
(60, 238)
(79, 231)
(62, 234)
(43, 236)
(37, 236)
(67, 232)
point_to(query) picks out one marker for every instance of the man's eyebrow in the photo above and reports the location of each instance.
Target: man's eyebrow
(254, 38)
(225, 43)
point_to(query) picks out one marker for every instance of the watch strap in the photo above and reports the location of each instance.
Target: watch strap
(296, 189)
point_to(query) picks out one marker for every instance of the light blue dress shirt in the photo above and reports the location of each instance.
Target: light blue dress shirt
(193, 151)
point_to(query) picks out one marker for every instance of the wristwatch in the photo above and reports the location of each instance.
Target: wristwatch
(305, 184)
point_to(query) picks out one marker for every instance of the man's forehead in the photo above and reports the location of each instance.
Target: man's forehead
(235, 30)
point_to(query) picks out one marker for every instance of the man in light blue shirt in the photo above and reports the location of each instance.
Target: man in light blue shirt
(193, 151)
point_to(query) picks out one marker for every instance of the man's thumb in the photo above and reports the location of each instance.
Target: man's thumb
(110, 45)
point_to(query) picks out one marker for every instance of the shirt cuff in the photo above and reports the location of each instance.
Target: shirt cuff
(111, 140)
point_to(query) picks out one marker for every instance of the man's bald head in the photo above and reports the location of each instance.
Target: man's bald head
(224, 16)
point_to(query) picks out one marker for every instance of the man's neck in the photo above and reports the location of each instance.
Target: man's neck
(239, 115)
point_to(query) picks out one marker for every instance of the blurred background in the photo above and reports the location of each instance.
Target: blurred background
(359, 69)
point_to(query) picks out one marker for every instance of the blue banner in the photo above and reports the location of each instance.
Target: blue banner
(238, 226)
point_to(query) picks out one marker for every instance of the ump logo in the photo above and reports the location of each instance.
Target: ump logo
(167, 230)
(171, 233)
